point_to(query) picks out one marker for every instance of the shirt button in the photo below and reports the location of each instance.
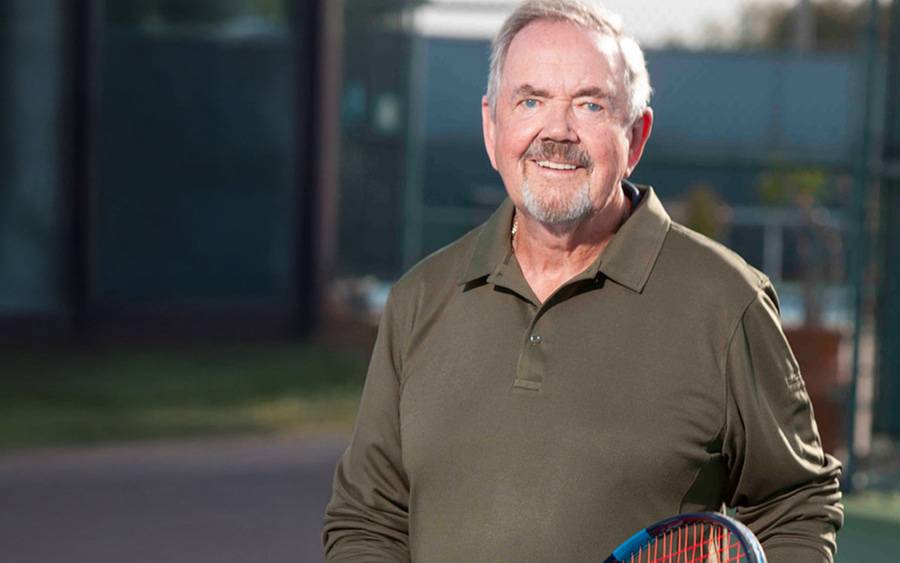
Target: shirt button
(535, 339)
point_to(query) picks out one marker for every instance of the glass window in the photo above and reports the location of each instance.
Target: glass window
(749, 242)
(30, 50)
(374, 147)
(196, 151)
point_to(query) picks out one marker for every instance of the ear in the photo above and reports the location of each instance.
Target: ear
(639, 133)
(487, 129)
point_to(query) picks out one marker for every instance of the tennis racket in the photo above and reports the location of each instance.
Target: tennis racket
(706, 537)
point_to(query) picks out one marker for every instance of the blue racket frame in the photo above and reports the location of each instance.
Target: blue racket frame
(637, 541)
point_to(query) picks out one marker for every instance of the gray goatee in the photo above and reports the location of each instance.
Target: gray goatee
(550, 205)
(557, 209)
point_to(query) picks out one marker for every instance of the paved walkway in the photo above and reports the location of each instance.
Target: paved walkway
(247, 500)
(256, 499)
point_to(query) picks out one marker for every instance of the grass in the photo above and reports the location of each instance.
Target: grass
(53, 396)
(76, 395)
(871, 529)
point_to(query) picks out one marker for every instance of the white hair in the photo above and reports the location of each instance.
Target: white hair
(593, 18)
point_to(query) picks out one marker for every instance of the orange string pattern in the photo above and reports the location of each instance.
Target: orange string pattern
(693, 542)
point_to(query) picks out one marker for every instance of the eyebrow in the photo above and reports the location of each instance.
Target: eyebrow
(529, 90)
(591, 92)
(526, 90)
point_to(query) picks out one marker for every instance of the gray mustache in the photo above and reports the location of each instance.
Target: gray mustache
(561, 152)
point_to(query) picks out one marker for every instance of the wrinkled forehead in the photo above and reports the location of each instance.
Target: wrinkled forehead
(550, 50)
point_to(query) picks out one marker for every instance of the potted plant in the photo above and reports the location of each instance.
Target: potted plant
(817, 252)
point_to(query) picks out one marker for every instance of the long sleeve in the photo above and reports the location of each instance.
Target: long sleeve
(782, 484)
(367, 518)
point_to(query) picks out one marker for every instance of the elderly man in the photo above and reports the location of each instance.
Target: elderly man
(578, 366)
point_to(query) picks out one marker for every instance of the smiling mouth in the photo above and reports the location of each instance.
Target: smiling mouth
(555, 165)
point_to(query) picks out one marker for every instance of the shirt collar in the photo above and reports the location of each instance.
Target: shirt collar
(628, 259)
(631, 254)
(493, 245)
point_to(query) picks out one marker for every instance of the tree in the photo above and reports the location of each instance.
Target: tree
(837, 25)
(819, 247)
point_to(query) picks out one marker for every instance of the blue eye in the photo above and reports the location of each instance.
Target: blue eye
(530, 103)
(592, 107)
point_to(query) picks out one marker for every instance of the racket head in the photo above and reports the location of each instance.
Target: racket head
(702, 537)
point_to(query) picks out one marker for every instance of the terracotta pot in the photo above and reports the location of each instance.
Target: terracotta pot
(817, 351)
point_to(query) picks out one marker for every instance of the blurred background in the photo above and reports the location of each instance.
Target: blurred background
(203, 204)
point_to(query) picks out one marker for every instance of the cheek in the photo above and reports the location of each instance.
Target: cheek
(612, 149)
(515, 136)
(513, 145)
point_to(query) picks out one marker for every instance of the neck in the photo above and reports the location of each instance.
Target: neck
(550, 255)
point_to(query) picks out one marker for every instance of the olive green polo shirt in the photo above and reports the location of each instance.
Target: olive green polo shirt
(493, 427)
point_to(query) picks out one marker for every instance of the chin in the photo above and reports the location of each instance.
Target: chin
(565, 210)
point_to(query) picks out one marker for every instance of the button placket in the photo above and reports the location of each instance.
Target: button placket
(529, 374)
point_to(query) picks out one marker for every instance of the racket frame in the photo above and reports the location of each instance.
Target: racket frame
(743, 534)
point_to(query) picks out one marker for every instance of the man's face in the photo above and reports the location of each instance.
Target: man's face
(559, 138)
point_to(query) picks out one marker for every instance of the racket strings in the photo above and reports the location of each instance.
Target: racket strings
(692, 543)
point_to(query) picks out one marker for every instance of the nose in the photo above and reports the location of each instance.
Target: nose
(559, 124)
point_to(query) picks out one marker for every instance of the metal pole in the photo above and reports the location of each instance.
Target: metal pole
(804, 28)
(414, 192)
(859, 261)
(326, 101)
